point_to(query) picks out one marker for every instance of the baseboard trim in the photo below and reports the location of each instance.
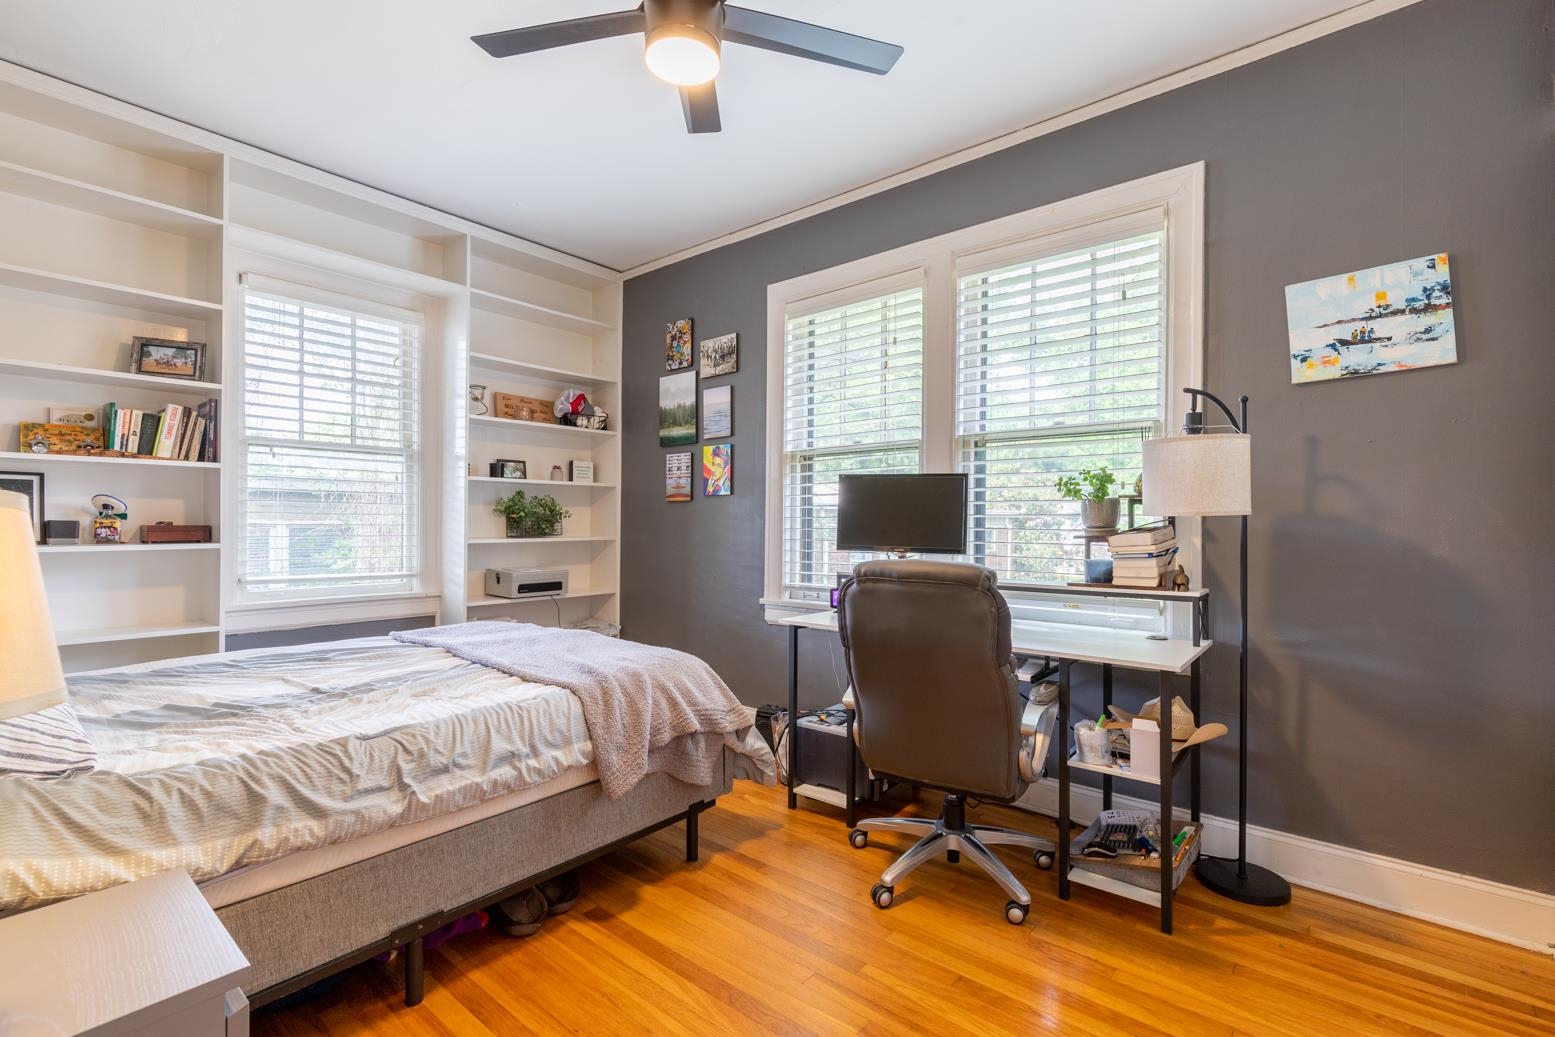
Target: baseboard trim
(1520, 917)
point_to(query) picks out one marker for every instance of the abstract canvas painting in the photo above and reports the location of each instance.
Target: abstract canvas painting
(720, 356)
(718, 412)
(1389, 318)
(677, 478)
(718, 470)
(678, 409)
(677, 344)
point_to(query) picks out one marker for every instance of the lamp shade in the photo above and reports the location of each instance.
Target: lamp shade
(1202, 474)
(30, 674)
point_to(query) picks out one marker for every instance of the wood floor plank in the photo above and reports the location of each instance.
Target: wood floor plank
(772, 933)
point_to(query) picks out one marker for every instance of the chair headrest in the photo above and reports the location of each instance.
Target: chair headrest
(917, 570)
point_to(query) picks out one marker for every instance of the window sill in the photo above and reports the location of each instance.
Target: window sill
(252, 617)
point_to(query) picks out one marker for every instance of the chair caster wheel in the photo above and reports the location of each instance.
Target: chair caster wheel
(858, 838)
(1044, 859)
(1015, 913)
(882, 896)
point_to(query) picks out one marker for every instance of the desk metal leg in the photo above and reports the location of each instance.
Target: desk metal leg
(851, 809)
(1166, 804)
(1193, 764)
(793, 716)
(1106, 708)
(1063, 779)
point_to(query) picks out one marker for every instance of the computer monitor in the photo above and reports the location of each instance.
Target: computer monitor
(925, 514)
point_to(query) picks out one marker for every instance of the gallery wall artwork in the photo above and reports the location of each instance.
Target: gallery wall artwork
(718, 412)
(720, 356)
(678, 409)
(1389, 318)
(718, 470)
(677, 478)
(677, 344)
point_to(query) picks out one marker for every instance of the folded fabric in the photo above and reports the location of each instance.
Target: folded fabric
(45, 744)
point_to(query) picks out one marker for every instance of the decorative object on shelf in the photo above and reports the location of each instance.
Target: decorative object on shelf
(30, 486)
(1093, 489)
(171, 533)
(677, 478)
(718, 470)
(1180, 579)
(558, 474)
(573, 408)
(718, 412)
(522, 408)
(678, 409)
(581, 471)
(1098, 570)
(1093, 744)
(108, 525)
(538, 516)
(36, 437)
(1197, 473)
(32, 678)
(478, 405)
(505, 469)
(677, 344)
(60, 532)
(720, 356)
(73, 416)
(1389, 318)
(167, 358)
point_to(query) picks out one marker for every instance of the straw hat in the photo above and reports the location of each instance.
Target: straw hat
(1184, 727)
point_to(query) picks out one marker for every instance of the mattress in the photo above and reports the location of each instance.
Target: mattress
(229, 762)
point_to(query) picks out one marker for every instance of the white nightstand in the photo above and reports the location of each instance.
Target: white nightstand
(146, 959)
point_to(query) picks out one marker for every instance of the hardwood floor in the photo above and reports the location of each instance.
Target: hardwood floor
(773, 933)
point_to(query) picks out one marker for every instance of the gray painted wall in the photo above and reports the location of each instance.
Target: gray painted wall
(1403, 674)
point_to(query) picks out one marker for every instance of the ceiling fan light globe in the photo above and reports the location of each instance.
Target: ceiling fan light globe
(682, 54)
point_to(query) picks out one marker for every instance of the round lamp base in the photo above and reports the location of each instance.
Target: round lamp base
(1259, 886)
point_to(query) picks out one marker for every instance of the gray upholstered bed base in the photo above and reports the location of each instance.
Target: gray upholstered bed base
(298, 934)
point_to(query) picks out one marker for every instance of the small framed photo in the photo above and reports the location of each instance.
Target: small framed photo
(581, 471)
(677, 344)
(720, 356)
(504, 469)
(677, 478)
(167, 358)
(29, 485)
(718, 412)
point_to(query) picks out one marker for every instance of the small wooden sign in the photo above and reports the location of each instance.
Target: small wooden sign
(522, 408)
(39, 437)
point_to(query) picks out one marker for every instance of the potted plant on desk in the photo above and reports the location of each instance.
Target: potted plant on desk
(1093, 489)
(527, 516)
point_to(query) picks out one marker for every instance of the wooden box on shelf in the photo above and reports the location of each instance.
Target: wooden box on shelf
(41, 437)
(170, 533)
(522, 408)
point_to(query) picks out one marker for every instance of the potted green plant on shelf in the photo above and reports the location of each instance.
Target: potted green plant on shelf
(539, 516)
(1093, 489)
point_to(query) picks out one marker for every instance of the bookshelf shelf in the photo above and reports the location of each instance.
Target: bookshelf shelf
(541, 541)
(539, 427)
(106, 635)
(109, 294)
(552, 483)
(485, 601)
(506, 306)
(116, 205)
(101, 550)
(557, 376)
(98, 376)
(17, 455)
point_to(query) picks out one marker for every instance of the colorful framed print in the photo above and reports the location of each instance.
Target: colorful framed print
(720, 356)
(677, 344)
(677, 478)
(1389, 318)
(167, 358)
(718, 412)
(678, 409)
(718, 470)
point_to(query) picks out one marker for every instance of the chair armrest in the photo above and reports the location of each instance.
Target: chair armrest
(1036, 729)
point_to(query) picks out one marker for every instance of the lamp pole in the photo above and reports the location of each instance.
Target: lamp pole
(1238, 880)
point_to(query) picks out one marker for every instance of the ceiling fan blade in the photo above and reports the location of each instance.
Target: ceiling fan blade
(561, 34)
(804, 40)
(699, 104)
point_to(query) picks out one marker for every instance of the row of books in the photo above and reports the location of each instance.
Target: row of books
(1143, 556)
(176, 432)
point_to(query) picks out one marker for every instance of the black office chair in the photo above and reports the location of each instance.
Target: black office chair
(937, 704)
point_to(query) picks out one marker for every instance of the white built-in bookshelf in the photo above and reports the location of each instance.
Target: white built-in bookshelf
(120, 224)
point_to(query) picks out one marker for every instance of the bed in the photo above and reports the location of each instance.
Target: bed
(335, 801)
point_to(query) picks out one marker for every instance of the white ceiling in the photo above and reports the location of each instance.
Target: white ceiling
(581, 148)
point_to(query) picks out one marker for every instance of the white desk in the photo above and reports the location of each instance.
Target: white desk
(1065, 645)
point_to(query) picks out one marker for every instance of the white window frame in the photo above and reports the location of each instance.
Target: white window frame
(1178, 194)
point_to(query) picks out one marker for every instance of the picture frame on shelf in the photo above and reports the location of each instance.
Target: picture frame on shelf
(503, 468)
(581, 471)
(167, 358)
(29, 485)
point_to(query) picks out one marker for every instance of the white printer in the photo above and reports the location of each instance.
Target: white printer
(526, 583)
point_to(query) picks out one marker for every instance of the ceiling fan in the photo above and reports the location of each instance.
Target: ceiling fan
(684, 43)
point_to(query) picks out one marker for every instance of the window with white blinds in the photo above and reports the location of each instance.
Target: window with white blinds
(328, 489)
(1059, 367)
(852, 402)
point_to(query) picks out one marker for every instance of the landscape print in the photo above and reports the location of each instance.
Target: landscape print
(1389, 318)
(678, 409)
(718, 412)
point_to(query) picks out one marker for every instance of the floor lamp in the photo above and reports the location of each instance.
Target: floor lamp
(31, 678)
(1201, 473)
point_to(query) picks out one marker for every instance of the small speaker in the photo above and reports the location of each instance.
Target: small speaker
(61, 531)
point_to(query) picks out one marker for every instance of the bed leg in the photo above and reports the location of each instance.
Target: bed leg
(691, 831)
(415, 973)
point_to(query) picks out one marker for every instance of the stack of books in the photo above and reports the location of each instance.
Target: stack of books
(1143, 556)
(176, 432)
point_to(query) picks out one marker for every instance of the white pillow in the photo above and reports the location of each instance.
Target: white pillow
(48, 743)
